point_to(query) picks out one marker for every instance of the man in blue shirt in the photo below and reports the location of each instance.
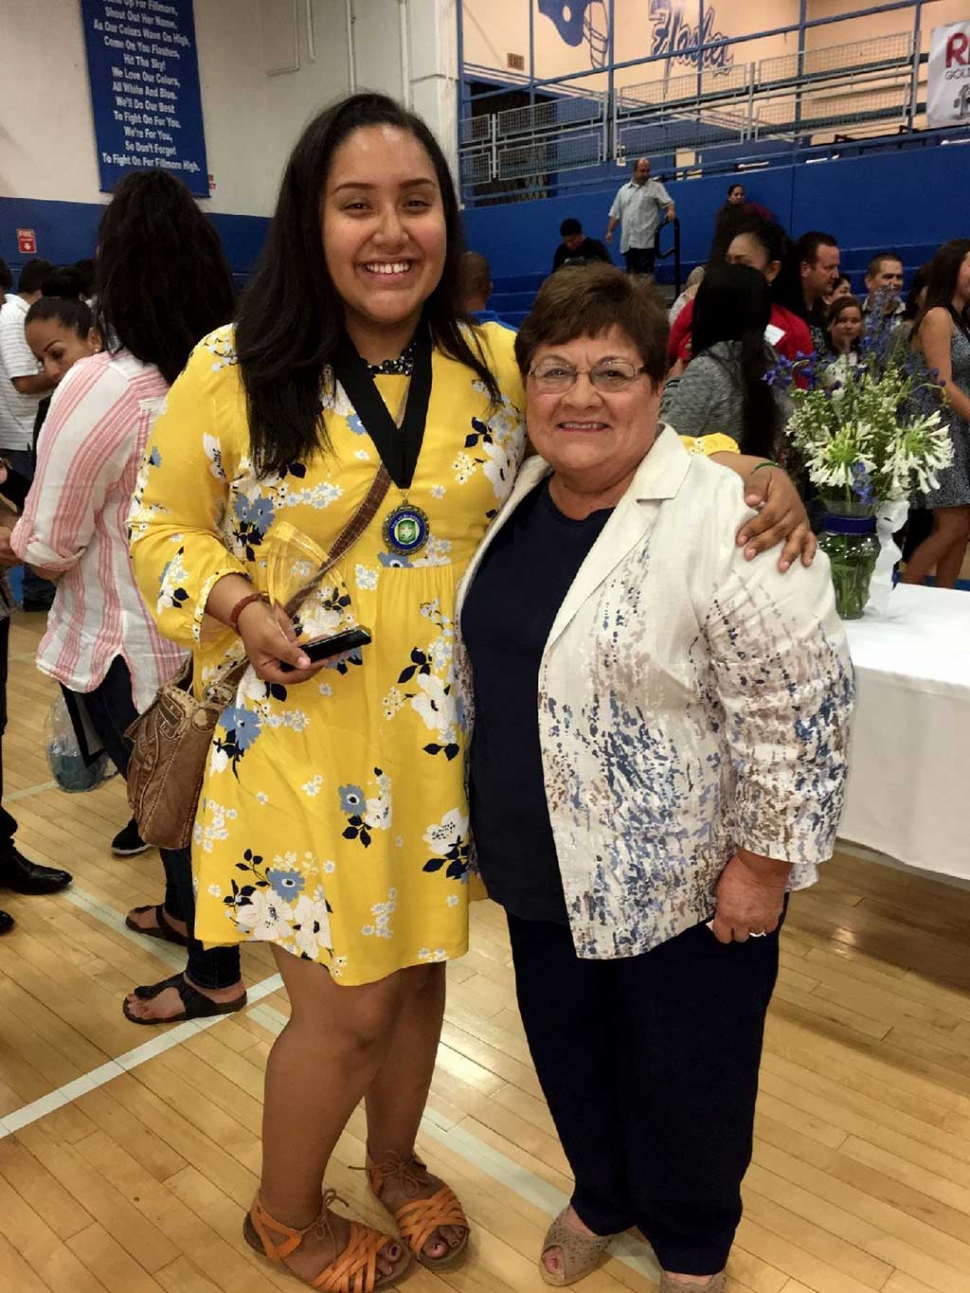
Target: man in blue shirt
(476, 288)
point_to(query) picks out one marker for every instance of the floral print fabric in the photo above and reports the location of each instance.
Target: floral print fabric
(333, 819)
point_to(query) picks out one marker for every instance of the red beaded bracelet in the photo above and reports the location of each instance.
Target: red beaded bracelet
(241, 605)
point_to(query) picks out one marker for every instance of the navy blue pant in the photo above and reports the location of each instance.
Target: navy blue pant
(650, 1068)
(112, 711)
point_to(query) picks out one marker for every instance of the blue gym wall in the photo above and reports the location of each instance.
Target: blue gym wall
(912, 199)
(908, 199)
(68, 231)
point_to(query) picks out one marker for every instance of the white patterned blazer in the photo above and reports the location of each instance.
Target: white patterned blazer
(690, 703)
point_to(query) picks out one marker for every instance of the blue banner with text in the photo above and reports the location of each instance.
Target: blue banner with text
(144, 72)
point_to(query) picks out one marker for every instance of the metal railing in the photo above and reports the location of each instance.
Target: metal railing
(864, 86)
(672, 250)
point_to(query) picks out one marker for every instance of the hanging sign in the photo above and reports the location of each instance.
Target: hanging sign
(144, 72)
(27, 242)
(948, 76)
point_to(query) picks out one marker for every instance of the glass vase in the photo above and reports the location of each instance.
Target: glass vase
(849, 541)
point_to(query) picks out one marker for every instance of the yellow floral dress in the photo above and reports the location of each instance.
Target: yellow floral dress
(333, 819)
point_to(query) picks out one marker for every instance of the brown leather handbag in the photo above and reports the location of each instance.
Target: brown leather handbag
(171, 739)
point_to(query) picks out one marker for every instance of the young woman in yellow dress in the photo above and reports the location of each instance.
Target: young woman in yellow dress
(333, 821)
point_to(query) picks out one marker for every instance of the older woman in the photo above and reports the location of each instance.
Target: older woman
(658, 758)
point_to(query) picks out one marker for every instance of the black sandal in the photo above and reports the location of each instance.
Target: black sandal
(165, 931)
(197, 1004)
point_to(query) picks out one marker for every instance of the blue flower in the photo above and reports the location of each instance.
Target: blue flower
(155, 458)
(286, 884)
(862, 485)
(355, 425)
(352, 800)
(257, 513)
(244, 723)
(393, 559)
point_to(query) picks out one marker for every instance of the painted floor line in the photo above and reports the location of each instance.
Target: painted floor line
(157, 1045)
(635, 1254)
(29, 790)
(168, 952)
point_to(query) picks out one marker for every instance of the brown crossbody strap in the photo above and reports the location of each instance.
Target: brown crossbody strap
(348, 536)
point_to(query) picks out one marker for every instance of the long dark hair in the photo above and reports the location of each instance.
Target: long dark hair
(69, 311)
(941, 282)
(161, 278)
(733, 303)
(291, 317)
(786, 289)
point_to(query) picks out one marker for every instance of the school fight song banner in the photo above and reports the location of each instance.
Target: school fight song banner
(144, 73)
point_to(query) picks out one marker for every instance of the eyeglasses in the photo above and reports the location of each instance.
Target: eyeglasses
(554, 378)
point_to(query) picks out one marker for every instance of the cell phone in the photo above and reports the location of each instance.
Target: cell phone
(327, 648)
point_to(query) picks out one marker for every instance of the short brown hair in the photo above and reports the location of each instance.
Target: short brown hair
(876, 264)
(588, 300)
(842, 303)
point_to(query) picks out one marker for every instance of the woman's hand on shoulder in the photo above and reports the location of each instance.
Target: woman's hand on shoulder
(270, 640)
(781, 518)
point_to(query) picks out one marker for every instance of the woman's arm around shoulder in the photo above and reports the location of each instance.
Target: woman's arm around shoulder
(177, 549)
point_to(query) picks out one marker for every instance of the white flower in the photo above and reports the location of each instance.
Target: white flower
(313, 921)
(215, 891)
(432, 954)
(363, 455)
(464, 468)
(452, 900)
(437, 491)
(383, 911)
(213, 451)
(437, 552)
(442, 837)
(366, 577)
(377, 813)
(325, 689)
(313, 786)
(393, 702)
(262, 797)
(211, 825)
(329, 867)
(432, 702)
(261, 917)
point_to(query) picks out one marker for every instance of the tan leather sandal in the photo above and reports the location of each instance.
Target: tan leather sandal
(418, 1220)
(581, 1254)
(716, 1284)
(354, 1270)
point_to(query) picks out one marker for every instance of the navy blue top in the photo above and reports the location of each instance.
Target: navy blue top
(506, 621)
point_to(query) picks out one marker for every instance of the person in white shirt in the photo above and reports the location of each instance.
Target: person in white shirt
(638, 207)
(23, 384)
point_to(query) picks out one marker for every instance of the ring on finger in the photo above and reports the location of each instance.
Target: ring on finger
(762, 934)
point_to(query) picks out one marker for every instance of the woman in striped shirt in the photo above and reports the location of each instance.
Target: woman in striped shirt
(162, 284)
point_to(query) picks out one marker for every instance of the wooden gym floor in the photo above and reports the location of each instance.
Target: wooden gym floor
(128, 1155)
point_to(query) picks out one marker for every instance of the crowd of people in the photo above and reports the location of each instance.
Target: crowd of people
(557, 683)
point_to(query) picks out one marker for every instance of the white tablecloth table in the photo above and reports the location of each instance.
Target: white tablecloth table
(909, 763)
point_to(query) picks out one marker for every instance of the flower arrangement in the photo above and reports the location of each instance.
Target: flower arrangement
(869, 432)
